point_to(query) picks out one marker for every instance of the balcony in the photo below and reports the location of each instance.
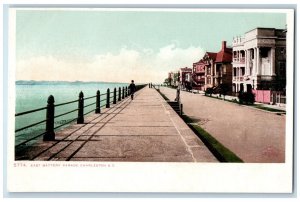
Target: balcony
(202, 79)
(197, 71)
(218, 75)
(238, 78)
(239, 60)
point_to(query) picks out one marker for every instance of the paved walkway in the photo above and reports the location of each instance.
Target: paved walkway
(254, 135)
(145, 129)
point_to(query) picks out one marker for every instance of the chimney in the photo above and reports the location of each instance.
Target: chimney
(223, 45)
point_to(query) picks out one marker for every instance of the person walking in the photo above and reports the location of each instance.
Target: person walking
(132, 89)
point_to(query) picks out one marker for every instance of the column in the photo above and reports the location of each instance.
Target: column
(273, 61)
(258, 62)
(249, 59)
(214, 74)
(255, 70)
(246, 61)
(254, 62)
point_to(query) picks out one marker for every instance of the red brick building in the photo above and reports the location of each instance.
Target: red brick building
(203, 70)
(213, 69)
(223, 67)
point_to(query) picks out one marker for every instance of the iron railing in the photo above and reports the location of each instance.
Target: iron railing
(49, 133)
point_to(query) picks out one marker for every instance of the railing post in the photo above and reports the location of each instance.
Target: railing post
(107, 98)
(181, 109)
(126, 91)
(97, 111)
(115, 96)
(80, 118)
(119, 98)
(50, 134)
(123, 93)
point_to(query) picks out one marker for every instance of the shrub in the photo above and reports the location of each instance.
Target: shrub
(209, 91)
(246, 98)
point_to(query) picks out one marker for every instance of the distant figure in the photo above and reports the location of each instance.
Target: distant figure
(132, 89)
(177, 94)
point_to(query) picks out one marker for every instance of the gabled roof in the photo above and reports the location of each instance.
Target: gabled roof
(224, 55)
(211, 55)
(199, 62)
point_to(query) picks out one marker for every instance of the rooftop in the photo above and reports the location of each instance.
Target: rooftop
(225, 54)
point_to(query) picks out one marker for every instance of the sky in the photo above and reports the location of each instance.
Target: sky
(118, 46)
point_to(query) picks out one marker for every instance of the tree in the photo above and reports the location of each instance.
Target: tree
(246, 98)
(224, 89)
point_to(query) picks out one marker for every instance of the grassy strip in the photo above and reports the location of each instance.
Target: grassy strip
(163, 95)
(172, 87)
(268, 108)
(222, 153)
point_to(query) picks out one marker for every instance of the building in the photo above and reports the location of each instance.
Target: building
(185, 77)
(199, 75)
(259, 60)
(213, 69)
(209, 59)
(173, 78)
(203, 70)
(222, 73)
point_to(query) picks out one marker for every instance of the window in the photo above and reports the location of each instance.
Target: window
(243, 53)
(209, 70)
(243, 71)
(208, 80)
(264, 52)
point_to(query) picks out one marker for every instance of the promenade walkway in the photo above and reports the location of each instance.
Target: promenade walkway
(144, 130)
(256, 136)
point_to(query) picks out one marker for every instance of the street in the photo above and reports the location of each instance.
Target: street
(255, 136)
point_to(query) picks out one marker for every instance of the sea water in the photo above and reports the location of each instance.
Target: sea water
(32, 95)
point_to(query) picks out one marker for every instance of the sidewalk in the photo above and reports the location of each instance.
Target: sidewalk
(145, 130)
(231, 98)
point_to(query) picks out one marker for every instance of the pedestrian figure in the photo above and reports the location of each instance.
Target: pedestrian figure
(177, 94)
(132, 89)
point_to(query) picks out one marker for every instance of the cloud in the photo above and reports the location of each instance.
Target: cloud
(141, 65)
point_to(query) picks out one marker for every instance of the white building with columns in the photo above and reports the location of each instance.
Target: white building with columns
(259, 60)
